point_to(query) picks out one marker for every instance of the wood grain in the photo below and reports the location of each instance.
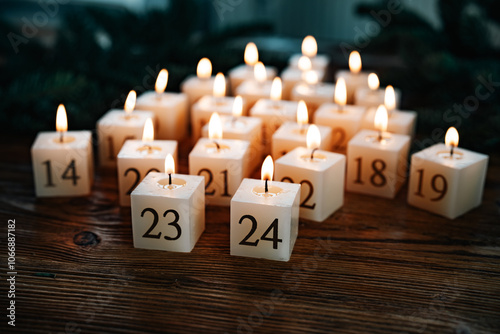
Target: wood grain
(375, 266)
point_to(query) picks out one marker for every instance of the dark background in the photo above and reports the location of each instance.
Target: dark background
(89, 54)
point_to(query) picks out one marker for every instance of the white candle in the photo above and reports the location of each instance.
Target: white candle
(265, 217)
(377, 160)
(320, 173)
(402, 122)
(168, 210)
(171, 109)
(195, 87)
(62, 161)
(223, 163)
(314, 93)
(207, 105)
(139, 157)
(245, 72)
(373, 96)
(446, 180)
(273, 112)
(344, 120)
(242, 128)
(293, 134)
(354, 78)
(116, 126)
(259, 87)
(292, 76)
(310, 49)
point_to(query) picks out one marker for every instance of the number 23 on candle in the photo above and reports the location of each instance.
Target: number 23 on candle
(62, 161)
(265, 217)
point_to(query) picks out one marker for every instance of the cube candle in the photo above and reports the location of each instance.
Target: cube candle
(445, 183)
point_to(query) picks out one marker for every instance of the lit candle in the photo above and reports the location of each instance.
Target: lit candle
(171, 109)
(242, 128)
(201, 84)
(273, 112)
(139, 157)
(314, 93)
(246, 72)
(62, 161)
(207, 105)
(223, 163)
(168, 210)
(294, 134)
(257, 88)
(377, 160)
(265, 217)
(310, 50)
(292, 76)
(446, 180)
(402, 122)
(373, 96)
(320, 173)
(116, 126)
(344, 120)
(354, 78)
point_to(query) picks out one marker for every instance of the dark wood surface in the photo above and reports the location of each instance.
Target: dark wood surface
(375, 266)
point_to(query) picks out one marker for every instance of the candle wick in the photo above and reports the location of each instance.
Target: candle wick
(158, 96)
(61, 137)
(312, 153)
(217, 145)
(233, 121)
(380, 135)
(266, 189)
(149, 148)
(170, 178)
(451, 150)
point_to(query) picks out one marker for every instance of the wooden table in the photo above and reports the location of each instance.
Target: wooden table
(375, 266)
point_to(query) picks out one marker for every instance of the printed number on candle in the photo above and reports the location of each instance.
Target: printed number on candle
(273, 227)
(137, 177)
(377, 178)
(309, 195)
(156, 219)
(338, 135)
(441, 191)
(210, 179)
(68, 174)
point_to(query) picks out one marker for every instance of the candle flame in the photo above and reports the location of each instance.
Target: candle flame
(251, 54)
(309, 47)
(259, 72)
(267, 169)
(237, 106)
(355, 62)
(61, 119)
(169, 164)
(381, 118)
(161, 81)
(451, 137)
(313, 139)
(276, 89)
(311, 77)
(148, 134)
(302, 114)
(215, 127)
(130, 102)
(204, 68)
(373, 81)
(340, 93)
(390, 98)
(219, 85)
(304, 63)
